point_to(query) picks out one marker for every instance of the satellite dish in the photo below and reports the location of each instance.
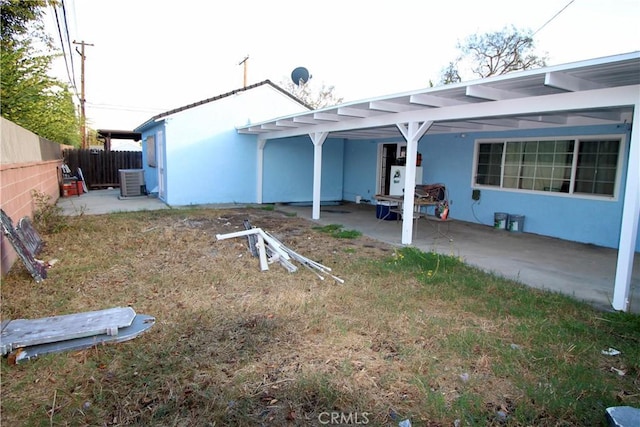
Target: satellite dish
(300, 76)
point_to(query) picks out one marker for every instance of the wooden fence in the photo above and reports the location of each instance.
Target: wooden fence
(100, 168)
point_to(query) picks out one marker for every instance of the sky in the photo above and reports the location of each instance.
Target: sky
(150, 56)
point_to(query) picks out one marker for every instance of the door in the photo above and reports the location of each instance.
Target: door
(389, 155)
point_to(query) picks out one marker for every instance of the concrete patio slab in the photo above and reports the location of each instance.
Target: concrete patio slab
(97, 202)
(583, 271)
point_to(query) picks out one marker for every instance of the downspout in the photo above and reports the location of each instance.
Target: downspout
(629, 226)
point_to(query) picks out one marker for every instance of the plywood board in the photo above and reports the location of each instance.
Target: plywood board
(25, 332)
(140, 324)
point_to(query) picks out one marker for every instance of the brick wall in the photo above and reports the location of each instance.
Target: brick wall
(17, 183)
(28, 163)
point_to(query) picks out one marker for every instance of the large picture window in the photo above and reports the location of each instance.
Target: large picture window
(572, 165)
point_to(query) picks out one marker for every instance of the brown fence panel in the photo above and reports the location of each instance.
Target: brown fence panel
(100, 168)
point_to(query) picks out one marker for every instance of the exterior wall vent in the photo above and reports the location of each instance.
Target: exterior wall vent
(132, 182)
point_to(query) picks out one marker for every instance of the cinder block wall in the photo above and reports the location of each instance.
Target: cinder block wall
(28, 164)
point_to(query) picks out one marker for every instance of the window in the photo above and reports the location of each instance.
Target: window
(151, 151)
(597, 166)
(576, 166)
(489, 164)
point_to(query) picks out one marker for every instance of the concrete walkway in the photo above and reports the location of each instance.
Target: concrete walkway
(583, 271)
(97, 202)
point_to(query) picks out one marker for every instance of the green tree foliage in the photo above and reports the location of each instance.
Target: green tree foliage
(495, 53)
(311, 95)
(30, 97)
(16, 16)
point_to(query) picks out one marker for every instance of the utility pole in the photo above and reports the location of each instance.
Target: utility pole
(244, 62)
(83, 119)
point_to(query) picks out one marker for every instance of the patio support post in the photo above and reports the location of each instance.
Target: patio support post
(412, 132)
(629, 226)
(318, 139)
(260, 170)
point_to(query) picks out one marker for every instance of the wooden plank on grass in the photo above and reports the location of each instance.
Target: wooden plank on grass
(140, 324)
(30, 332)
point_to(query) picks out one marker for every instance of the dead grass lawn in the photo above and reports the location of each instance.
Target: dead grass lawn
(236, 346)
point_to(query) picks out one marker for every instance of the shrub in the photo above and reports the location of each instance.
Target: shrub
(47, 217)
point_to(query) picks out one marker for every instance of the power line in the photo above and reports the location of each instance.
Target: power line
(66, 53)
(552, 18)
(66, 27)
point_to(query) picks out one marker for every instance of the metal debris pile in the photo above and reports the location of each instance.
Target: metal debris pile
(269, 250)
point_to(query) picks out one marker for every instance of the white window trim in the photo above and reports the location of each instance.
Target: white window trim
(622, 154)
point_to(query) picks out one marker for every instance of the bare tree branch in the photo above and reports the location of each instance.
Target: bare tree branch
(495, 53)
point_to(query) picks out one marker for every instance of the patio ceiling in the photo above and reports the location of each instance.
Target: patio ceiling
(468, 106)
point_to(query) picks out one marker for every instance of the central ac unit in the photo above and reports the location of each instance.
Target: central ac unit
(131, 182)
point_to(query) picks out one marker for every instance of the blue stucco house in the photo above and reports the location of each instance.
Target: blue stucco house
(194, 155)
(555, 144)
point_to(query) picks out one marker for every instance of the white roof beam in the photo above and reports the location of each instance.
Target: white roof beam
(354, 112)
(552, 103)
(367, 135)
(569, 83)
(269, 126)
(552, 119)
(452, 128)
(258, 129)
(489, 126)
(327, 117)
(392, 107)
(612, 116)
(305, 119)
(288, 123)
(503, 123)
(432, 100)
(468, 126)
(490, 93)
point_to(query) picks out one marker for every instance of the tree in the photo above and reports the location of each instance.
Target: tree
(16, 16)
(29, 97)
(496, 53)
(315, 98)
(450, 74)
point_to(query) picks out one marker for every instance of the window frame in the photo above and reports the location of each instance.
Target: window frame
(577, 142)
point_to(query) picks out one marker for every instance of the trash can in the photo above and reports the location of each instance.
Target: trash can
(500, 220)
(516, 223)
